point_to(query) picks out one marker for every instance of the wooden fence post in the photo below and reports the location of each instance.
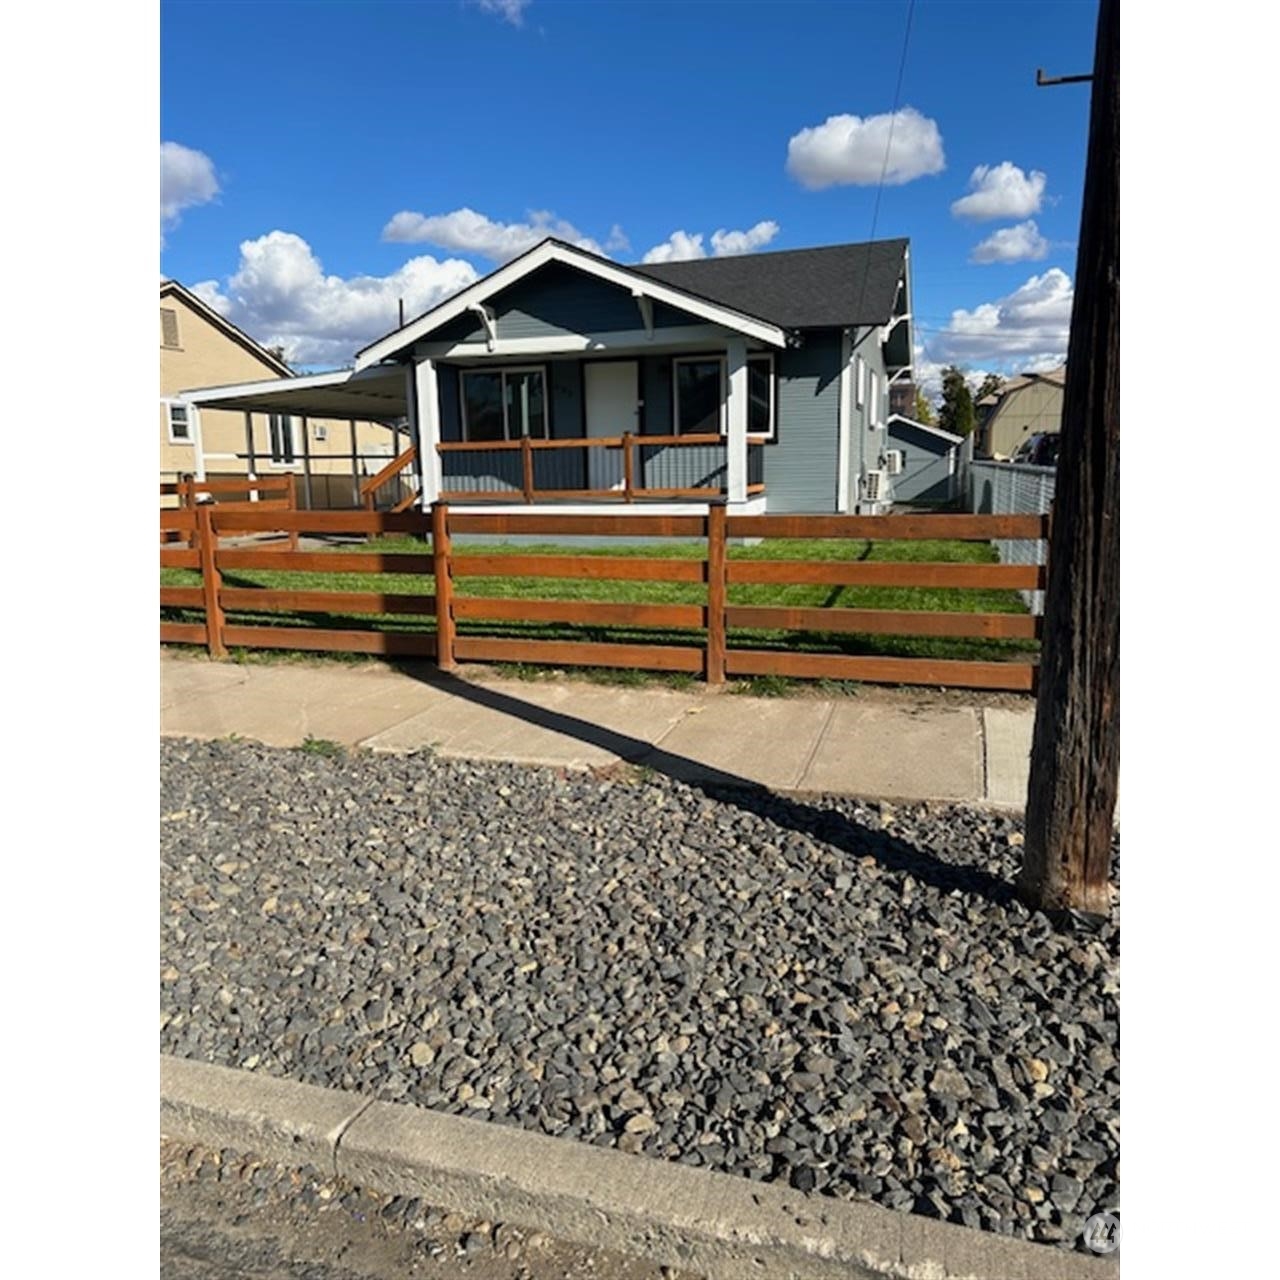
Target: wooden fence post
(526, 462)
(628, 471)
(211, 581)
(443, 563)
(187, 499)
(717, 592)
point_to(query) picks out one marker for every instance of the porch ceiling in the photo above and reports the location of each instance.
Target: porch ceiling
(372, 394)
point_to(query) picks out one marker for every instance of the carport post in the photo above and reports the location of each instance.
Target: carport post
(355, 467)
(306, 461)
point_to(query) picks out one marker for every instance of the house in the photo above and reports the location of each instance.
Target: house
(927, 463)
(198, 347)
(1028, 403)
(566, 377)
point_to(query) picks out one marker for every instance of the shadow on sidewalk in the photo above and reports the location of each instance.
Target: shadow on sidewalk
(831, 827)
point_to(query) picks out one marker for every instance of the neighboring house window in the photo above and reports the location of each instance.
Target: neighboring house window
(179, 423)
(168, 327)
(862, 382)
(504, 404)
(700, 385)
(283, 449)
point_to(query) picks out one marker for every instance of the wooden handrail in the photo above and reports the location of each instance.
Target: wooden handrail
(389, 472)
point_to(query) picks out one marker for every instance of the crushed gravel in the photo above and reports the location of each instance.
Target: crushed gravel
(843, 996)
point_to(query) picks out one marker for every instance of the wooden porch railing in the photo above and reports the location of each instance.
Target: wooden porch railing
(369, 489)
(632, 486)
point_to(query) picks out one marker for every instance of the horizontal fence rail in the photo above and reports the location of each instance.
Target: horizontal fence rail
(412, 602)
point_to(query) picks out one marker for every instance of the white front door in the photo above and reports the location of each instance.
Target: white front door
(612, 395)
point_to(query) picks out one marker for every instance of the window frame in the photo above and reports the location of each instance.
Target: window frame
(279, 464)
(873, 402)
(170, 405)
(502, 371)
(723, 362)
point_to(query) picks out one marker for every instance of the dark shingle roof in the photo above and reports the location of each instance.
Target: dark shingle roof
(842, 284)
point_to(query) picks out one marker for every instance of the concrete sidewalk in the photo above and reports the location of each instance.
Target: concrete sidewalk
(874, 749)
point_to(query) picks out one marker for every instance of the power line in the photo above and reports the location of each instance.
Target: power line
(884, 168)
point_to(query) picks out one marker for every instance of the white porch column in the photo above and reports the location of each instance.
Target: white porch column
(845, 418)
(424, 422)
(736, 442)
(197, 439)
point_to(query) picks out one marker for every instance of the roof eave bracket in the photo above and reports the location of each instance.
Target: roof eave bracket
(487, 319)
(645, 303)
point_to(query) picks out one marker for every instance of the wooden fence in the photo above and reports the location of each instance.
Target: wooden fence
(701, 633)
(261, 493)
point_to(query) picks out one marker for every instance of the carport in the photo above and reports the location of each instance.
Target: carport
(377, 394)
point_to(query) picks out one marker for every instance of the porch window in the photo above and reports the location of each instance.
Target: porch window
(179, 424)
(701, 385)
(504, 404)
(280, 429)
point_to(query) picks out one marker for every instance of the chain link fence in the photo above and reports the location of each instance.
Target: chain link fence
(1007, 488)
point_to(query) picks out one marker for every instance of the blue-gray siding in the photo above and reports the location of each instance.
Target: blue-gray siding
(930, 471)
(800, 466)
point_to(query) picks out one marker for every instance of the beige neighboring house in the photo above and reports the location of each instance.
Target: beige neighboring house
(328, 457)
(1026, 404)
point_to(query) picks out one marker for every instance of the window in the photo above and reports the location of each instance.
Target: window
(862, 382)
(873, 401)
(283, 449)
(168, 327)
(700, 384)
(179, 423)
(504, 404)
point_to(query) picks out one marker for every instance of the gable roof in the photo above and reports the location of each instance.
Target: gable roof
(553, 250)
(829, 287)
(223, 325)
(1055, 377)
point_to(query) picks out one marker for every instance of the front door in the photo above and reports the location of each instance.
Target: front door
(612, 408)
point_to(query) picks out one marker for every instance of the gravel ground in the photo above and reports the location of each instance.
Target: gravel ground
(228, 1215)
(840, 995)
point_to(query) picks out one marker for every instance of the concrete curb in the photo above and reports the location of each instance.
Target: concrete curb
(725, 1227)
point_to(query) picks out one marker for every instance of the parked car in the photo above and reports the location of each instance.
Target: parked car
(1040, 449)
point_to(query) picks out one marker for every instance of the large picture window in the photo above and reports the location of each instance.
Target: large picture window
(700, 384)
(504, 404)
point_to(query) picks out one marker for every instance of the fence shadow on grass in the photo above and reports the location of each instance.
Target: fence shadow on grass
(827, 825)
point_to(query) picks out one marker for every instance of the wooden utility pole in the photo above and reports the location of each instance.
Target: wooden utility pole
(1075, 751)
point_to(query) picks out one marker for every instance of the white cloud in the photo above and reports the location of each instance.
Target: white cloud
(281, 296)
(849, 151)
(679, 246)
(1001, 191)
(466, 231)
(1021, 243)
(926, 374)
(511, 10)
(187, 178)
(725, 244)
(682, 246)
(1026, 329)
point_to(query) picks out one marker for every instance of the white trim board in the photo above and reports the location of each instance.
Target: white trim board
(618, 341)
(541, 255)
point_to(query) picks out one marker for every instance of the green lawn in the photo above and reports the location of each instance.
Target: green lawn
(865, 597)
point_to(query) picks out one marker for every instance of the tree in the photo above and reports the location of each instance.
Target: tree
(1075, 747)
(956, 414)
(990, 385)
(922, 410)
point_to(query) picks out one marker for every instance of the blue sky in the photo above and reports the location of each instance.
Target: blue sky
(323, 159)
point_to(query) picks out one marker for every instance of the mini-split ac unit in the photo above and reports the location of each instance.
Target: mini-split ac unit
(875, 485)
(893, 460)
